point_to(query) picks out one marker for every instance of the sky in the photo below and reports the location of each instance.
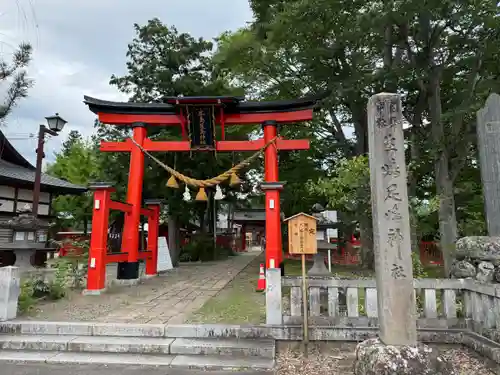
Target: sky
(78, 45)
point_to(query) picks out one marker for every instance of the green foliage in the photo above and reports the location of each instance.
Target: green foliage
(440, 55)
(71, 269)
(163, 62)
(78, 163)
(348, 189)
(14, 79)
(26, 297)
(418, 269)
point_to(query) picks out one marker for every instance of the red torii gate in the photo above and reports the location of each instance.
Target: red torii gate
(197, 118)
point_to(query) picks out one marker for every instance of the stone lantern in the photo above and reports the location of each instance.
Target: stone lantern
(324, 246)
(28, 242)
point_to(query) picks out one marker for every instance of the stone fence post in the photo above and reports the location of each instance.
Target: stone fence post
(10, 288)
(274, 310)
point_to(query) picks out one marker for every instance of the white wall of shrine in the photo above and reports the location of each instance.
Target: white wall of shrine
(13, 200)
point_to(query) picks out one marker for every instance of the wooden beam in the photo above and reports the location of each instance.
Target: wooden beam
(239, 145)
(129, 119)
(120, 206)
(228, 119)
(259, 118)
(221, 146)
(125, 146)
(116, 258)
(146, 212)
(292, 144)
(281, 144)
(149, 145)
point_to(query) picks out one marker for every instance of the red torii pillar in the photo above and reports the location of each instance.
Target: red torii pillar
(272, 188)
(129, 270)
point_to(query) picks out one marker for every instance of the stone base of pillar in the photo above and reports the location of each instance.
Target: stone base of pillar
(319, 267)
(374, 357)
(127, 271)
(93, 292)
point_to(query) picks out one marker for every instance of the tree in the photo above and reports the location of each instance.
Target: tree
(74, 136)
(14, 78)
(438, 55)
(77, 164)
(347, 190)
(162, 62)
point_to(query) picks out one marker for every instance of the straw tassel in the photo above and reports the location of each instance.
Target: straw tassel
(201, 196)
(172, 183)
(234, 180)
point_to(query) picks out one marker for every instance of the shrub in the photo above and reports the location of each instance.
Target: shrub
(418, 269)
(71, 269)
(26, 299)
(201, 248)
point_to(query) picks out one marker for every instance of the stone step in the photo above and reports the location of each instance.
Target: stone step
(135, 330)
(233, 347)
(174, 361)
(139, 345)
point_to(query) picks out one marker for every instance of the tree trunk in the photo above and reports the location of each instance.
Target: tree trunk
(366, 234)
(444, 183)
(412, 193)
(85, 226)
(447, 212)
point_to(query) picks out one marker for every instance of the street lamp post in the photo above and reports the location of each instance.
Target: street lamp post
(55, 125)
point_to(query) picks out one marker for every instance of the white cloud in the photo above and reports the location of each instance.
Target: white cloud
(78, 45)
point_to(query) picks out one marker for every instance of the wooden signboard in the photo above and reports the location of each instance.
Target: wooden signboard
(302, 234)
(302, 240)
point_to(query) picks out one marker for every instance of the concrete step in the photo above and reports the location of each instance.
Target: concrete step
(204, 362)
(140, 345)
(232, 347)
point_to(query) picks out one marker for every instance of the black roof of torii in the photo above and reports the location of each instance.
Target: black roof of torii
(232, 104)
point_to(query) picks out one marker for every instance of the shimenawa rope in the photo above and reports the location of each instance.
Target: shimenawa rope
(212, 181)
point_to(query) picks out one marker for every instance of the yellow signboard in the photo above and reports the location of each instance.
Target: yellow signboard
(302, 234)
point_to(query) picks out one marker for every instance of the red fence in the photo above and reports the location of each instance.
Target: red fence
(429, 251)
(430, 254)
(350, 256)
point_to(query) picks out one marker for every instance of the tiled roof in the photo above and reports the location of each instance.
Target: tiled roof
(15, 172)
(14, 167)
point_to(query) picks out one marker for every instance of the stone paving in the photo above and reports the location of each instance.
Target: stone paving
(168, 298)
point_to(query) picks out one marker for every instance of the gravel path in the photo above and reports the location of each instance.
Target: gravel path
(168, 298)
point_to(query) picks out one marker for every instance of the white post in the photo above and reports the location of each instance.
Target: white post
(10, 288)
(329, 260)
(274, 311)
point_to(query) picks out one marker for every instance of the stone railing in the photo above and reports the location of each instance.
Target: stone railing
(441, 303)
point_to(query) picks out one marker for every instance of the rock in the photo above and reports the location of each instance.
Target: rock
(462, 270)
(479, 248)
(375, 358)
(496, 275)
(485, 272)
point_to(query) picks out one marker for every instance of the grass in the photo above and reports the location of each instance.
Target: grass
(239, 303)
